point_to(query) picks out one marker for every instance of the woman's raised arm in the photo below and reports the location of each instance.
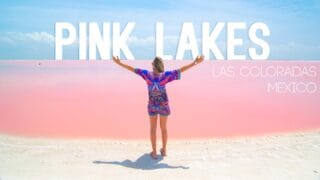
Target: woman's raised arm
(117, 61)
(198, 60)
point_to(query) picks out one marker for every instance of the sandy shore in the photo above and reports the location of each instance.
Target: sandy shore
(280, 156)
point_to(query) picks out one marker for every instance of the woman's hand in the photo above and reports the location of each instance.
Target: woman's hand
(199, 59)
(116, 59)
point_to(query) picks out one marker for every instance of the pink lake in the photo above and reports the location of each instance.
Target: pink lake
(99, 99)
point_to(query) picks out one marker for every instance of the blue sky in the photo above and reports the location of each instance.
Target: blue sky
(27, 27)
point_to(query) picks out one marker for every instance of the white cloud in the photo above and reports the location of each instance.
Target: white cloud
(17, 37)
(6, 40)
(40, 36)
(141, 41)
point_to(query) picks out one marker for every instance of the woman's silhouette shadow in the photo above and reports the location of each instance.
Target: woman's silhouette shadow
(144, 162)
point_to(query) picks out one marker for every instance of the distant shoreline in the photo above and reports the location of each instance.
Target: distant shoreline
(270, 134)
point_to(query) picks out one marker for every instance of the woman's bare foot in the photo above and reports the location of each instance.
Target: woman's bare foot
(153, 155)
(163, 152)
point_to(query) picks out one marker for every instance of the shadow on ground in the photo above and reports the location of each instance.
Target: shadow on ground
(144, 162)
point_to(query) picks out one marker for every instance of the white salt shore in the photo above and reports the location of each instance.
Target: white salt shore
(279, 156)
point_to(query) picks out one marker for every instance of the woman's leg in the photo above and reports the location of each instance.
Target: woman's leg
(164, 132)
(153, 134)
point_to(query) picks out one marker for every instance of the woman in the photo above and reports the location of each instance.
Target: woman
(158, 106)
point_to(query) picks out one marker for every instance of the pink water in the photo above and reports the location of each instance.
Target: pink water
(99, 99)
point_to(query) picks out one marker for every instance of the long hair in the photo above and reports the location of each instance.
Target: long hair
(158, 64)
